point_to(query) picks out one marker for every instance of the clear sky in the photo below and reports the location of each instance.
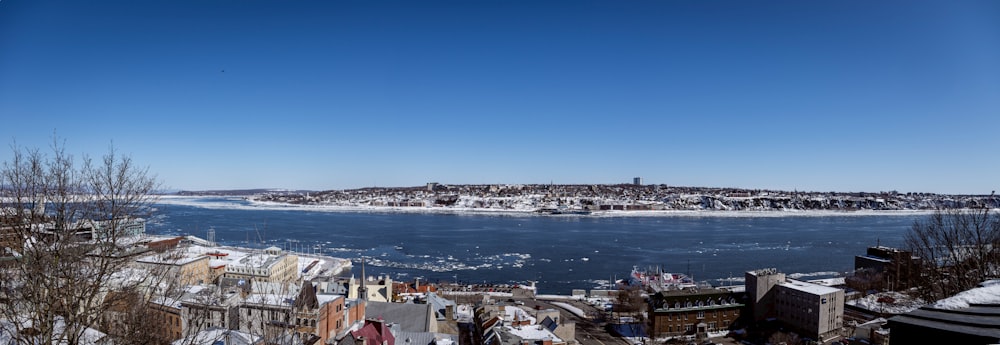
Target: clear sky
(808, 95)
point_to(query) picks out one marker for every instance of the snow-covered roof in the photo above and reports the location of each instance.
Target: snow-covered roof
(90, 336)
(178, 258)
(517, 314)
(327, 298)
(813, 289)
(534, 332)
(829, 281)
(987, 293)
(214, 336)
(270, 299)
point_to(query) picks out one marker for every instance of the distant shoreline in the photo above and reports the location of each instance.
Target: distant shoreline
(253, 204)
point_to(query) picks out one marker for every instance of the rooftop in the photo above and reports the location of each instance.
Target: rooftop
(533, 332)
(987, 293)
(809, 288)
(981, 320)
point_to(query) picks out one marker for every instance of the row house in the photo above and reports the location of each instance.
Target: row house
(299, 314)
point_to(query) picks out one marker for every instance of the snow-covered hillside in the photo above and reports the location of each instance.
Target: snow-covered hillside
(528, 198)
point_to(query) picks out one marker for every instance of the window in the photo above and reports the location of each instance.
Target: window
(701, 315)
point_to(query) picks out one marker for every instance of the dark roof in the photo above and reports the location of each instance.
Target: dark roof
(630, 330)
(422, 338)
(550, 324)
(374, 332)
(978, 319)
(409, 317)
(307, 297)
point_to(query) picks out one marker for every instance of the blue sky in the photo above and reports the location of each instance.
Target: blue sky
(807, 95)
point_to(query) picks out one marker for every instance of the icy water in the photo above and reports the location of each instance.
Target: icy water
(560, 252)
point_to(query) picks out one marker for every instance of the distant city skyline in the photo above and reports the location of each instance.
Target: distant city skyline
(845, 96)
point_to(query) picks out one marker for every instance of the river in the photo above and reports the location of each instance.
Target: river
(560, 252)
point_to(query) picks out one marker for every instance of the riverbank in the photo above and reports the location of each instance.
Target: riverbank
(227, 202)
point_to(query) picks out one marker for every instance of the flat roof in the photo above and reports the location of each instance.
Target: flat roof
(873, 258)
(172, 258)
(982, 320)
(809, 288)
(829, 281)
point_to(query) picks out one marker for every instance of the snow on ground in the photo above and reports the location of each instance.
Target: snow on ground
(555, 297)
(989, 293)
(576, 311)
(888, 302)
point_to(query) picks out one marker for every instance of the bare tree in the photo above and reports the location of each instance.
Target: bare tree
(958, 250)
(865, 280)
(65, 230)
(629, 308)
(784, 338)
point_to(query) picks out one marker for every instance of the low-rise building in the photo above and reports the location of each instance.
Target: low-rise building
(510, 325)
(376, 289)
(307, 316)
(271, 265)
(971, 317)
(180, 267)
(410, 317)
(692, 311)
(205, 307)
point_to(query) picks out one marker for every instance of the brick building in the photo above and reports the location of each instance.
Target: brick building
(692, 311)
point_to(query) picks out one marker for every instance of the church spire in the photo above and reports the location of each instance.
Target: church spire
(362, 290)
